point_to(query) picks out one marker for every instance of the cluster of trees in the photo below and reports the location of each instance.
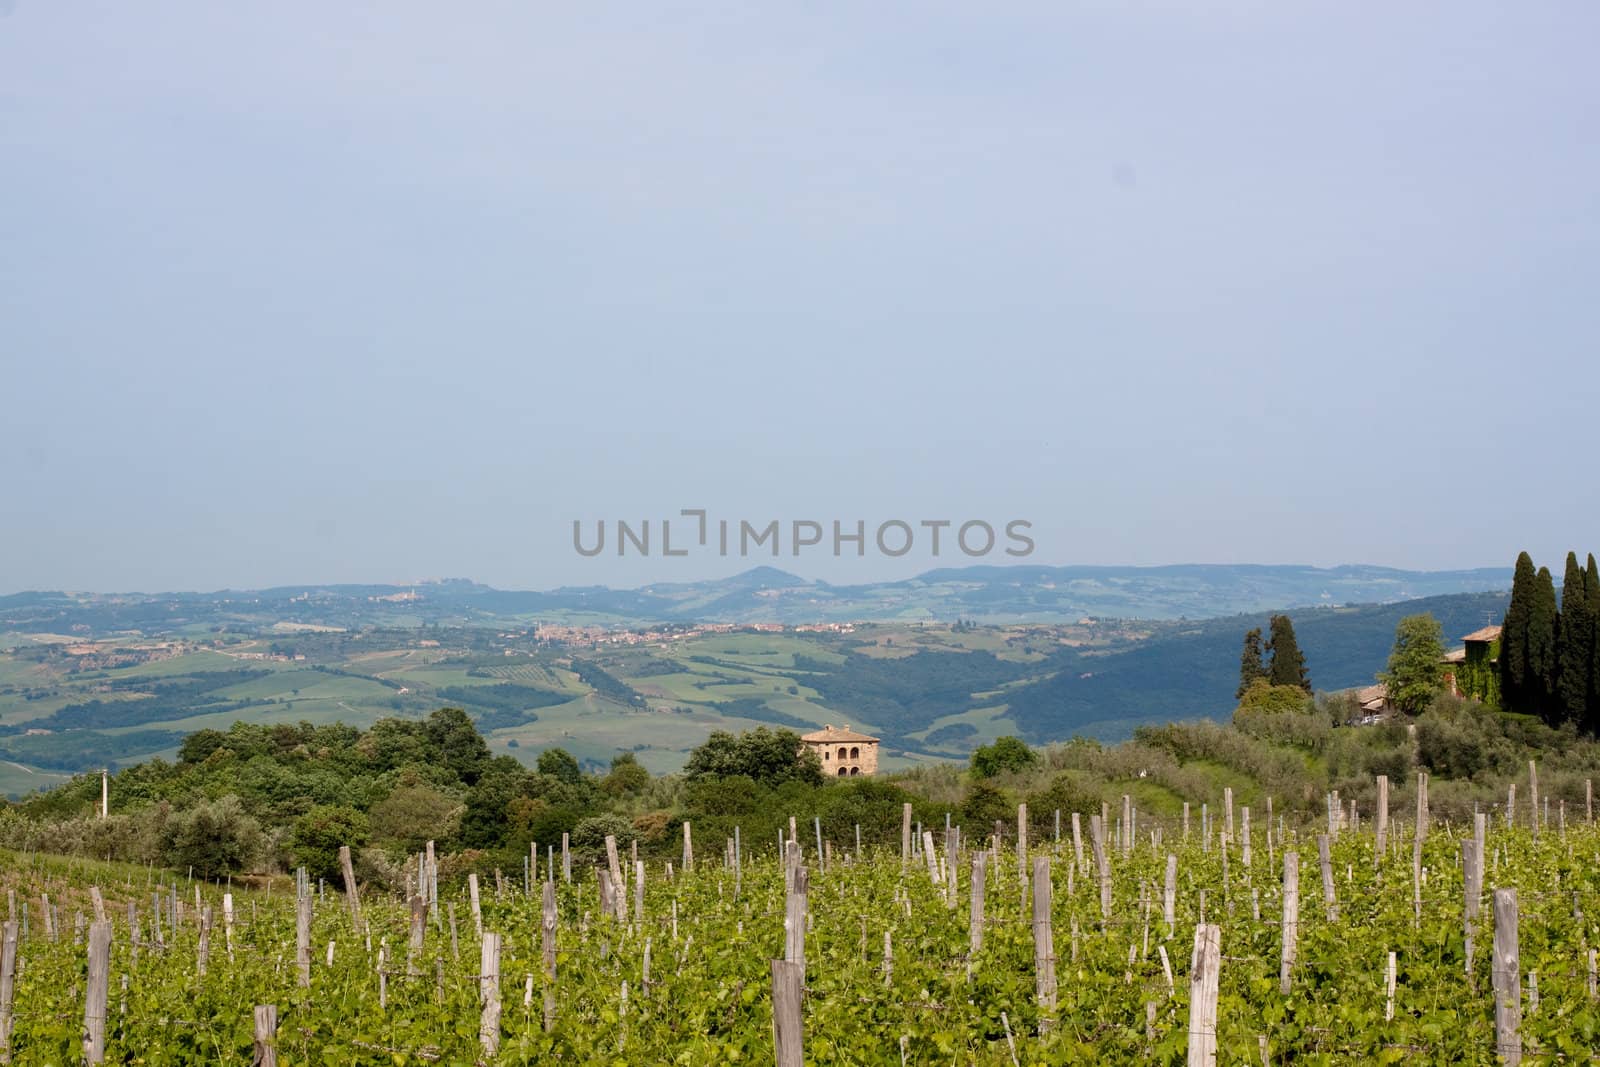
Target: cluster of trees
(1550, 656)
(1278, 662)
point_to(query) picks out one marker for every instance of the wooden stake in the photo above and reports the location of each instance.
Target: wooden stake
(1330, 902)
(8, 984)
(788, 980)
(352, 897)
(1381, 824)
(302, 939)
(975, 920)
(95, 998)
(1204, 968)
(1507, 978)
(547, 946)
(1291, 919)
(1044, 949)
(266, 1036)
(489, 995)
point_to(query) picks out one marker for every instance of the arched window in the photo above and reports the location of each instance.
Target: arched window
(855, 770)
(843, 771)
(855, 753)
(842, 754)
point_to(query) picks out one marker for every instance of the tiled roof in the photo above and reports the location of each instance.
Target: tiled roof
(830, 733)
(1488, 633)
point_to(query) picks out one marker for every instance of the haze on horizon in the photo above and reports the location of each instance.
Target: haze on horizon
(369, 292)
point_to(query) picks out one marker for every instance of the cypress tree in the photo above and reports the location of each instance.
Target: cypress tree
(1574, 645)
(1288, 665)
(1515, 687)
(1251, 669)
(1543, 623)
(1591, 594)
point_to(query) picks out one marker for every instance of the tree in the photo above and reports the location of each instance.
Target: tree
(1574, 646)
(1414, 671)
(558, 763)
(1543, 620)
(1251, 668)
(1288, 664)
(414, 814)
(766, 756)
(1005, 754)
(454, 741)
(214, 838)
(1591, 592)
(319, 833)
(627, 777)
(1516, 679)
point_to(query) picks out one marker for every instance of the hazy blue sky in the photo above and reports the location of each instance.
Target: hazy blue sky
(311, 292)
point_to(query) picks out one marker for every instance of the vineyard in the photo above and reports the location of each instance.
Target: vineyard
(1062, 938)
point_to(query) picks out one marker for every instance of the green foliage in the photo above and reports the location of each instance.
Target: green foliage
(1251, 666)
(1414, 673)
(320, 832)
(627, 777)
(1263, 696)
(1518, 687)
(413, 814)
(1288, 663)
(558, 763)
(762, 755)
(1574, 647)
(1004, 755)
(214, 839)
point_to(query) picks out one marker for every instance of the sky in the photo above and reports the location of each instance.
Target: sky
(378, 291)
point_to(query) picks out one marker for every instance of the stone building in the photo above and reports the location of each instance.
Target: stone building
(844, 753)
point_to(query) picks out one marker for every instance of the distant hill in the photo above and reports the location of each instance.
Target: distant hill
(765, 594)
(1192, 672)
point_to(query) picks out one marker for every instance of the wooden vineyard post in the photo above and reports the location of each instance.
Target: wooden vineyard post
(489, 995)
(1291, 918)
(1533, 797)
(419, 917)
(619, 894)
(1507, 978)
(547, 947)
(638, 893)
(1022, 852)
(302, 938)
(1077, 843)
(8, 984)
(1418, 838)
(94, 1001)
(688, 847)
(1588, 800)
(266, 1036)
(348, 871)
(794, 921)
(1244, 837)
(477, 909)
(1472, 884)
(566, 859)
(1329, 900)
(1127, 825)
(1381, 824)
(1169, 896)
(1044, 948)
(905, 836)
(976, 919)
(1204, 968)
(788, 980)
(1097, 838)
